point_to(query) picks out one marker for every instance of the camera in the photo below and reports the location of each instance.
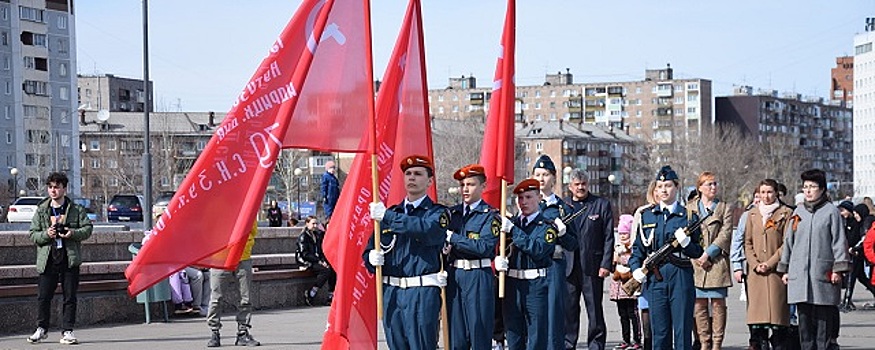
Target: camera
(60, 228)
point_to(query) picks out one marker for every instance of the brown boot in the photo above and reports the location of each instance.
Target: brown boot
(718, 324)
(703, 323)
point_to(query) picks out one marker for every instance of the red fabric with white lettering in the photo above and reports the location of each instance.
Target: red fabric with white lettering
(497, 154)
(207, 222)
(403, 129)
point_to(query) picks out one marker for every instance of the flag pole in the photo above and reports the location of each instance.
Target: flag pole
(503, 238)
(372, 149)
(445, 321)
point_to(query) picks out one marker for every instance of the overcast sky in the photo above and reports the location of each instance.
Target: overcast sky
(203, 52)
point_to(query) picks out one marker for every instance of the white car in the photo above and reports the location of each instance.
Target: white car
(23, 209)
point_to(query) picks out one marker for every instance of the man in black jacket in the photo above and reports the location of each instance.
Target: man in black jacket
(592, 262)
(310, 254)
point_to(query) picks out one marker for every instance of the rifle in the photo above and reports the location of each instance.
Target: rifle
(652, 262)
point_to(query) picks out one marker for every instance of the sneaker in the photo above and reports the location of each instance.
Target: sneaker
(68, 338)
(621, 346)
(635, 346)
(497, 345)
(215, 340)
(245, 339)
(307, 298)
(40, 334)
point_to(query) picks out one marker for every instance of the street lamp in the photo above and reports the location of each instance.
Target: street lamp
(566, 180)
(454, 192)
(14, 172)
(612, 178)
(298, 173)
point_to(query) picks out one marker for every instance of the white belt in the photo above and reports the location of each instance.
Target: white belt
(529, 274)
(430, 280)
(472, 264)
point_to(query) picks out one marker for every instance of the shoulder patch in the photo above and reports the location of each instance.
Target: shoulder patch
(550, 236)
(496, 227)
(444, 220)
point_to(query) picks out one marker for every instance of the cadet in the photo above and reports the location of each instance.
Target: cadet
(669, 290)
(472, 237)
(413, 234)
(553, 209)
(533, 242)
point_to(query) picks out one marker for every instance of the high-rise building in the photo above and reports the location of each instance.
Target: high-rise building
(842, 87)
(658, 109)
(37, 103)
(799, 132)
(112, 93)
(864, 111)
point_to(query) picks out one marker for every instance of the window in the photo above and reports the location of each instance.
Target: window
(8, 137)
(691, 110)
(537, 93)
(33, 39)
(537, 105)
(552, 93)
(62, 69)
(638, 113)
(679, 99)
(7, 64)
(441, 98)
(4, 38)
(112, 164)
(31, 14)
(62, 22)
(65, 140)
(455, 109)
(9, 88)
(7, 111)
(65, 93)
(95, 163)
(539, 146)
(113, 181)
(30, 159)
(4, 13)
(34, 87)
(94, 145)
(63, 46)
(692, 98)
(111, 145)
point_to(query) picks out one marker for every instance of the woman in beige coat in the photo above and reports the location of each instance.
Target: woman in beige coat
(767, 295)
(711, 274)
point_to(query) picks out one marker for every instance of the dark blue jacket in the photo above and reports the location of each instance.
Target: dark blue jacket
(595, 234)
(533, 245)
(330, 188)
(475, 236)
(662, 231)
(418, 239)
(560, 210)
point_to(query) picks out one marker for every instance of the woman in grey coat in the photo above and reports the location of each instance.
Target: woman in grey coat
(814, 256)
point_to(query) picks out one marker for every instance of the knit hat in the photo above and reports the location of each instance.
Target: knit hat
(847, 205)
(625, 224)
(862, 210)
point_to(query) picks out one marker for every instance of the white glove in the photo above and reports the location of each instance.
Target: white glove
(622, 268)
(682, 237)
(442, 278)
(560, 226)
(506, 224)
(501, 263)
(558, 252)
(449, 235)
(376, 258)
(639, 275)
(378, 210)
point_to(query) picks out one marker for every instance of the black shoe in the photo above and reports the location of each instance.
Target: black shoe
(215, 340)
(245, 339)
(307, 298)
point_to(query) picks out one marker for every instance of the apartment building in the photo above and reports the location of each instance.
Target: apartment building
(864, 111)
(112, 93)
(842, 83)
(37, 76)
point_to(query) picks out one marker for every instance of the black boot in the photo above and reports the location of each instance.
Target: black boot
(245, 339)
(215, 340)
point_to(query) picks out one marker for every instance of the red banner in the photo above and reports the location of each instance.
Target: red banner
(403, 128)
(497, 154)
(207, 222)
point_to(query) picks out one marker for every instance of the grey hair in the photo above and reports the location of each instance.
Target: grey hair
(579, 175)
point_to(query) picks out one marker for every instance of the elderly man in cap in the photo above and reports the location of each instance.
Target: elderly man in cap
(471, 241)
(533, 241)
(413, 234)
(669, 289)
(554, 209)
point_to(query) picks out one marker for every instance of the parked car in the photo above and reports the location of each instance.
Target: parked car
(22, 209)
(125, 207)
(161, 203)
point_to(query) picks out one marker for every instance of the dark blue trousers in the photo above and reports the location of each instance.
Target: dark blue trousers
(471, 299)
(410, 317)
(671, 307)
(556, 296)
(525, 313)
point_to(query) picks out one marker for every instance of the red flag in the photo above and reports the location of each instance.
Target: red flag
(207, 222)
(496, 156)
(403, 128)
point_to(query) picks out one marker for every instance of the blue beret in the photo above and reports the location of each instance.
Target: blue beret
(544, 162)
(666, 174)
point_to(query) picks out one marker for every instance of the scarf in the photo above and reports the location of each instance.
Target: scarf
(766, 210)
(816, 204)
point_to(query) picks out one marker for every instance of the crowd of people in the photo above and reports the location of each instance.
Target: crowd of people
(668, 267)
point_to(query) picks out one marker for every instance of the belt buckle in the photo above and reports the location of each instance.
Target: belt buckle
(468, 265)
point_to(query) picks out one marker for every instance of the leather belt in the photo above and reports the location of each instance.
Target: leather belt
(529, 274)
(472, 264)
(430, 280)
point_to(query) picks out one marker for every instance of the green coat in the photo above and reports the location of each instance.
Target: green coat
(77, 222)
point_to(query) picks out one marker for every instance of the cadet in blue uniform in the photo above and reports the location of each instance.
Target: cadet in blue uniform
(472, 237)
(533, 242)
(669, 290)
(553, 209)
(413, 234)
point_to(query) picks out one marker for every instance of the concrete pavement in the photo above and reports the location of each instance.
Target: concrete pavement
(302, 328)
